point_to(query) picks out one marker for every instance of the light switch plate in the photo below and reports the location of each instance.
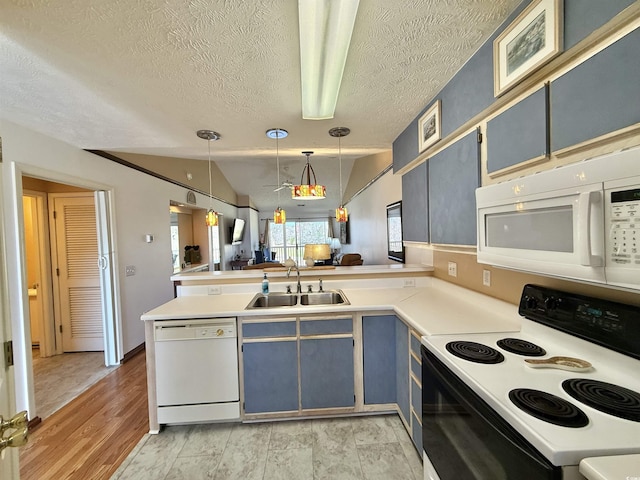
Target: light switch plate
(453, 269)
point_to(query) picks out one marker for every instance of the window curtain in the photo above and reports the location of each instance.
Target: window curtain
(330, 228)
(266, 240)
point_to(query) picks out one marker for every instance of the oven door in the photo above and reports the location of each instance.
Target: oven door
(464, 438)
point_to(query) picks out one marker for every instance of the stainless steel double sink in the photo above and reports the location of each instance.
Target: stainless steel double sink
(281, 299)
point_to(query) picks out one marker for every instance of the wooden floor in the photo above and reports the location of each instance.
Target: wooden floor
(89, 437)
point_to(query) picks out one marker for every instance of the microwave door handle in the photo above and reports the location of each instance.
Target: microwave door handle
(586, 201)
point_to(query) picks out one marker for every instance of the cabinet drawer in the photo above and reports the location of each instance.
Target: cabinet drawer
(416, 367)
(269, 329)
(415, 344)
(330, 326)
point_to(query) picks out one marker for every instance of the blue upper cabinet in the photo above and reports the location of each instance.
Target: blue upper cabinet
(519, 134)
(415, 208)
(584, 16)
(599, 96)
(454, 175)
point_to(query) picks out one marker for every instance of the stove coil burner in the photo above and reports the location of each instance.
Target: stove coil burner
(521, 347)
(605, 397)
(474, 352)
(548, 407)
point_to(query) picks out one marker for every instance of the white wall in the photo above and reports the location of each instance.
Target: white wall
(141, 207)
(368, 219)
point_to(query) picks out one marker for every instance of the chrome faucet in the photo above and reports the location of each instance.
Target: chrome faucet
(298, 286)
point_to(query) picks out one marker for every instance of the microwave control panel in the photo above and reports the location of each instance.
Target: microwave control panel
(624, 233)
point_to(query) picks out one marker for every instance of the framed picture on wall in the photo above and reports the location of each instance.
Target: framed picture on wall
(429, 127)
(530, 41)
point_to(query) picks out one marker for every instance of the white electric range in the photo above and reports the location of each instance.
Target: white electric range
(489, 414)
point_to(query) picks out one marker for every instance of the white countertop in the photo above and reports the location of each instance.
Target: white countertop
(438, 308)
(257, 273)
(616, 467)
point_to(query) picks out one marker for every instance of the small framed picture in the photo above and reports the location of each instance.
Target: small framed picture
(429, 127)
(532, 39)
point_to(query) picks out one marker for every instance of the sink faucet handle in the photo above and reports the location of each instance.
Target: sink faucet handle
(309, 288)
(288, 288)
(320, 287)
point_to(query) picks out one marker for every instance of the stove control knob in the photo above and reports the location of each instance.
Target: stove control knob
(550, 303)
(530, 302)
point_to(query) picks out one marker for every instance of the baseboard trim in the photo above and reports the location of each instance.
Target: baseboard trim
(132, 353)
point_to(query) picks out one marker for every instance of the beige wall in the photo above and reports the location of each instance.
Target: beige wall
(507, 285)
(368, 219)
(177, 168)
(364, 170)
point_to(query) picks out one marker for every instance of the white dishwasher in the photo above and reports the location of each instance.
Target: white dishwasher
(196, 370)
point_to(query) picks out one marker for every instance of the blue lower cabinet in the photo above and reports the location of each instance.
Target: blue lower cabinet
(270, 376)
(379, 358)
(416, 433)
(327, 373)
(402, 369)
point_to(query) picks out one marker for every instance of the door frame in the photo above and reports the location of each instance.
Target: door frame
(16, 269)
(9, 468)
(48, 342)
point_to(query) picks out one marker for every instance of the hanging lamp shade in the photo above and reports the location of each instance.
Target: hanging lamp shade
(211, 219)
(279, 215)
(341, 212)
(309, 190)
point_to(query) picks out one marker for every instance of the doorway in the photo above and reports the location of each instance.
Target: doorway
(43, 369)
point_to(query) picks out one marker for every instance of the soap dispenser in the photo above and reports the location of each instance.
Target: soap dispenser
(265, 284)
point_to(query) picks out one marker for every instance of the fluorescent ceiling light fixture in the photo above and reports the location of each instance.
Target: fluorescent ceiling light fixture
(325, 35)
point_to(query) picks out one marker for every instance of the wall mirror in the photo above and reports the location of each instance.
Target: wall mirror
(188, 228)
(394, 232)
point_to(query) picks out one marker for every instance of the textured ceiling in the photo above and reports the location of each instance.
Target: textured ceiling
(142, 76)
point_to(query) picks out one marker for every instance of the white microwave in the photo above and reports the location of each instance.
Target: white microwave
(580, 221)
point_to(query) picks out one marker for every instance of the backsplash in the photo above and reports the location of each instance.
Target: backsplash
(507, 285)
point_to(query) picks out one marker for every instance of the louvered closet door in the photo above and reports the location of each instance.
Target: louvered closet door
(79, 275)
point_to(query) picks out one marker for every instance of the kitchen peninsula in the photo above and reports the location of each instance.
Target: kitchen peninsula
(346, 359)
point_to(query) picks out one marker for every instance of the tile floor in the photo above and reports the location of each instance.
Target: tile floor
(369, 447)
(61, 378)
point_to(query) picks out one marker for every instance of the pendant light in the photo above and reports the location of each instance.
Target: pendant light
(308, 191)
(341, 212)
(279, 215)
(211, 218)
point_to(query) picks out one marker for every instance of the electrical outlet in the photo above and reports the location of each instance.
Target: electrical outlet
(453, 269)
(130, 270)
(214, 290)
(486, 278)
(409, 282)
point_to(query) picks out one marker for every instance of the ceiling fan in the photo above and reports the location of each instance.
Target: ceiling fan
(281, 187)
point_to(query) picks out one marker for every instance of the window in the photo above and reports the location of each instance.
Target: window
(288, 240)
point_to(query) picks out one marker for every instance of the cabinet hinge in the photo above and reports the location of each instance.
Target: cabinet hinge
(57, 272)
(8, 353)
(60, 328)
(479, 137)
(242, 348)
(55, 215)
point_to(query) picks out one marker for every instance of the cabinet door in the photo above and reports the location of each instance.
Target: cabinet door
(415, 207)
(379, 358)
(270, 376)
(454, 175)
(326, 372)
(402, 369)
